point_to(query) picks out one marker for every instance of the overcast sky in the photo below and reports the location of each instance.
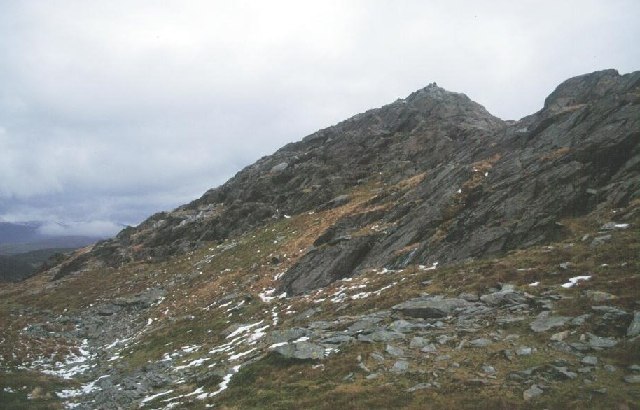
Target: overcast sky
(113, 110)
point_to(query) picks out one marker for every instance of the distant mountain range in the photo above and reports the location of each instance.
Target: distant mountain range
(23, 249)
(20, 237)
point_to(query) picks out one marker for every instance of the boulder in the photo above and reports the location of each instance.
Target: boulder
(634, 327)
(431, 307)
(545, 322)
(301, 351)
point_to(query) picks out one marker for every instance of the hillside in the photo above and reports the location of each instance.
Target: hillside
(422, 254)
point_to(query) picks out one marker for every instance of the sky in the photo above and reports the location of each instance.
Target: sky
(112, 111)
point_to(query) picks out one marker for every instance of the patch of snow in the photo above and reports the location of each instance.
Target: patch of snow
(266, 295)
(379, 291)
(432, 267)
(257, 335)
(224, 383)
(242, 354)
(154, 396)
(190, 349)
(534, 284)
(193, 363)
(360, 295)
(243, 329)
(83, 390)
(574, 280)
(273, 346)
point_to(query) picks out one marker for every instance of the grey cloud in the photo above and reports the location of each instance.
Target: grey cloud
(110, 111)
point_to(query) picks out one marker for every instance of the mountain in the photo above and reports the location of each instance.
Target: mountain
(23, 249)
(23, 237)
(421, 254)
(461, 182)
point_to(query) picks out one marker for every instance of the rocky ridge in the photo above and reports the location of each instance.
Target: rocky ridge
(481, 185)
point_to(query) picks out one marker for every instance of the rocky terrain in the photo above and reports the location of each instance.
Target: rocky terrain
(422, 254)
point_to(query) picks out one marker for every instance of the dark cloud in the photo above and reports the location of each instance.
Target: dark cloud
(110, 111)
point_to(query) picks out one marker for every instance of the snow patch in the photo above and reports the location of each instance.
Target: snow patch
(574, 280)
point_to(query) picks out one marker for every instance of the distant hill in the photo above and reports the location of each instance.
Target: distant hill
(23, 237)
(14, 268)
(23, 249)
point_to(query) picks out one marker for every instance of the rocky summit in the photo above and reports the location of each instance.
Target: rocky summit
(424, 254)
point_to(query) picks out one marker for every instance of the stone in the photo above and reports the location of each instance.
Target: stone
(488, 369)
(599, 240)
(597, 342)
(609, 312)
(419, 386)
(278, 336)
(563, 373)
(430, 348)
(301, 351)
(524, 351)
(580, 320)
(418, 342)
(590, 360)
(377, 357)
(599, 296)
(372, 376)
(476, 382)
(546, 322)
(400, 366)
(610, 226)
(337, 339)
(634, 368)
(632, 379)
(560, 336)
(469, 297)
(482, 342)
(505, 296)
(431, 307)
(634, 327)
(280, 167)
(394, 350)
(532, 392)
(610, 368)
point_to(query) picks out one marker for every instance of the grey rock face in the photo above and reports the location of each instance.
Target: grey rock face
(597, 342)
(301, 350)
(545, 322)
(532, 392)
(431, 307)
(634, 327)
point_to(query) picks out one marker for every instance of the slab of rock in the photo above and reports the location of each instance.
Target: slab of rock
(590, 360)
(431, 307)
(400, 366)
(632, 379)
(394, 350)
(301, 351)
(481, 342)
(545, 322)
(505, 296)
(418, 342)
(532, 392)
(597, 342)
(634, 327)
